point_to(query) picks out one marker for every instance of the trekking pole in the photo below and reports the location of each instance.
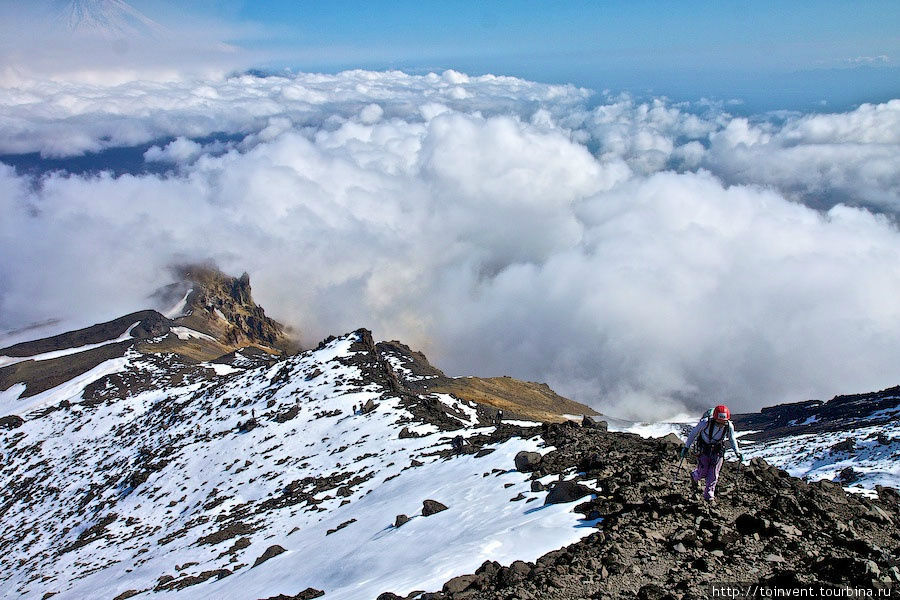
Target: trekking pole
(675, 473)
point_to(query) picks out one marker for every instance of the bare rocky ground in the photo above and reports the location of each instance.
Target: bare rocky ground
(660, 540)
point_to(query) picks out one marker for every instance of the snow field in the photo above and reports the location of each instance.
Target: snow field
(201, 475)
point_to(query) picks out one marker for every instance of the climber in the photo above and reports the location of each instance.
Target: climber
(457, 444)
(710, 435)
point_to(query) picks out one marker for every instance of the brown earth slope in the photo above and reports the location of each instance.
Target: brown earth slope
(516, 398)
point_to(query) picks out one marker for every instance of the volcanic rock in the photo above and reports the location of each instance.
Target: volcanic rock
(430, 507)
(566, 491)
(527, 461)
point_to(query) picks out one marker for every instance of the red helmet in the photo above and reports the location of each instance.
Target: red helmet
(721, 413)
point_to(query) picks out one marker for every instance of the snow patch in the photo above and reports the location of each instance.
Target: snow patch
(178, 310)
(185, 333)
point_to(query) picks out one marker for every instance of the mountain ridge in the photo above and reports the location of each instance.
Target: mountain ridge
(357, 469)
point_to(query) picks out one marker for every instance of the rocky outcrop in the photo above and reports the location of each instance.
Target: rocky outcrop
(813, 416)
(223, 307)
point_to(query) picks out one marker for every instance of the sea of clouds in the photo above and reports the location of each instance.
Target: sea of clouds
(643, 256)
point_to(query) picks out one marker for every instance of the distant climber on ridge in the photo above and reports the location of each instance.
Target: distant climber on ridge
(710, 435)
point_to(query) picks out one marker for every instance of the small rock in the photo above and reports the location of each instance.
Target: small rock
(537, 486)
(401, 520)
(679, 548)
(872, 568)
(430, 507)
(651, 591)
(788, 530)
(774, 558)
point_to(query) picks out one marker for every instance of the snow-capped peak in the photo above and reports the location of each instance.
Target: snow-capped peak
(112, 19)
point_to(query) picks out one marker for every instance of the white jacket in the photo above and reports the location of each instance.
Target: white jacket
(714, 434)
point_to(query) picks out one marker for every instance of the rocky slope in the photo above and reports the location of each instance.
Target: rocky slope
(657, 539)
(160, 477)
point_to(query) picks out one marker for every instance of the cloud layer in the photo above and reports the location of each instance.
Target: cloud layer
(644, 257)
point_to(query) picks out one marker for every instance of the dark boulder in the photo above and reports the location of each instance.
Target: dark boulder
(848, 475)
(307, 594)
(651, 591)
(848, 445)
(430, 507)
(460, 584)
(12, 422)
(590, 423)
(566, 491)
(748, 524)
(401, 520)
(527, 461)
(671, 439)
(271, 552)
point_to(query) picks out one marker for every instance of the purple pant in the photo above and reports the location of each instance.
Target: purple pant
(708, 468)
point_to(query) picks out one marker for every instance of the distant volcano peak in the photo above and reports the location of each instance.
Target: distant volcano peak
(112, 19)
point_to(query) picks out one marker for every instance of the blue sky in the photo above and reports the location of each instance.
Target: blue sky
(802, 55)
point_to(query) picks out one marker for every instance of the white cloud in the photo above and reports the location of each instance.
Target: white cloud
(181, 150)
(639, 256)
(881, 59)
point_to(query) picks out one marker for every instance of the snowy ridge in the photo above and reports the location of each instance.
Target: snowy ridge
(10, 360)
(871, 461)
(176, 488)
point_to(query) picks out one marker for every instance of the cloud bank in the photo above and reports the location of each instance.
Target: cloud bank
(644, 257)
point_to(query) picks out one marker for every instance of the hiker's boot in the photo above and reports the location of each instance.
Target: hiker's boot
(695, 487)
